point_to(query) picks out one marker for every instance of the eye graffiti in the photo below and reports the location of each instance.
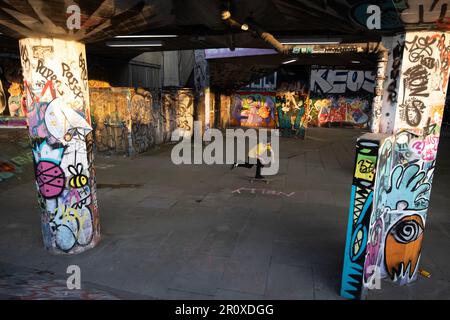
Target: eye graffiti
(403, 243)
(78, 180)
(407, 231)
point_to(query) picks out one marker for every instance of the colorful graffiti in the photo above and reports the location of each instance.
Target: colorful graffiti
(352, 110)
(292, 114)
(340, 96)
(15, 104)
(252, 109)
(407, 160)
(401, 202)
(359, 215)
(11, 88)
(62, 143)
(401, 254)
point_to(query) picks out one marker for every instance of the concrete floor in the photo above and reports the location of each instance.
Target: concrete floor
(198, 231)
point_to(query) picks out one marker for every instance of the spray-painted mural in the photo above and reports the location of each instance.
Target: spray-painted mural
(254, 109)
(352, 110)
(57, 102)
(413, 109)
(131, 121)
(342, 96)
(401, 201)
(15, 102)
(359, 215)
(12, 108)
(407, 170)
(292, 109)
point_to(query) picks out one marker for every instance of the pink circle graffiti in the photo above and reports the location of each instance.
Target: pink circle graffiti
(50, 178)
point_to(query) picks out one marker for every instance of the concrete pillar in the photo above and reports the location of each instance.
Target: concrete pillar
(171, 68)
(361, 200)
(58, 115)
(411, 116)
(377, 102)
(202, 103)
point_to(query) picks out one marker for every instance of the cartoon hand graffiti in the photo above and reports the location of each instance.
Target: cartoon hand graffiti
(409, 189)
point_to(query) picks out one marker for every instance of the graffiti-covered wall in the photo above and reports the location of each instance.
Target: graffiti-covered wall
(292, 113)
(292, 101)
(131, 121)
(342, 96)
(254, 109)
(12, 107)
(177, 112)
(110, 118)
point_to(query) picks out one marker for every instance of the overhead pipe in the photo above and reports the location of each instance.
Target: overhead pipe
(368, 48)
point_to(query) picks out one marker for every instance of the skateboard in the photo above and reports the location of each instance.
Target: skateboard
(266, 180)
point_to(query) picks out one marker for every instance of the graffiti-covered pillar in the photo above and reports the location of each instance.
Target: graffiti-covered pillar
(415, 104)
(411, 116)
(58, 115)
(202, 103)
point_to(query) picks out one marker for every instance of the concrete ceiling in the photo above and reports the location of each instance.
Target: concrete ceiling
(198, 25)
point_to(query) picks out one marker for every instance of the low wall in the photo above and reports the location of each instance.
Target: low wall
(130, 121)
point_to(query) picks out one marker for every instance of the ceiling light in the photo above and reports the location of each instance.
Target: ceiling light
(226, 15)
(244, 27)
(134, 44)
(147, 36)
(289, 61)
(310, 41)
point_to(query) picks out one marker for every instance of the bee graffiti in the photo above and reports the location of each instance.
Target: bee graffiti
(78, 179)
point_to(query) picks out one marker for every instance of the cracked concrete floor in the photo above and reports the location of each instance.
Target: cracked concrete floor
(205, 232)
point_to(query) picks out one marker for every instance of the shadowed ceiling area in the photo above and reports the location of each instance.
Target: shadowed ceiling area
(200, 20)
(198, 25)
